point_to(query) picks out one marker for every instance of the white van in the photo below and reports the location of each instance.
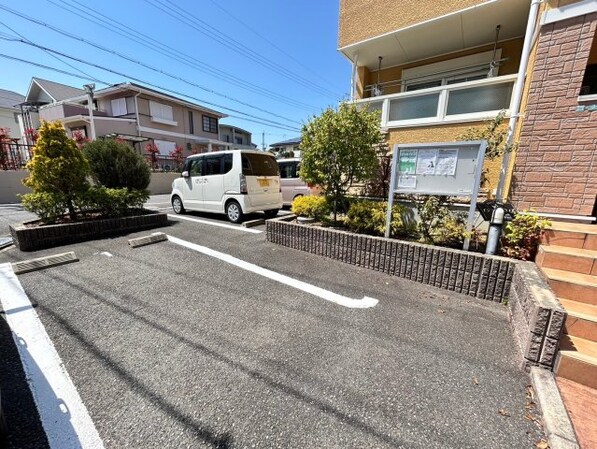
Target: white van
(235, 182)
(292, 185)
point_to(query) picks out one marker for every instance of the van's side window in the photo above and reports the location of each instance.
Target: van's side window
(213, 165)
(227, 163)
(196, 168)
(286, 170)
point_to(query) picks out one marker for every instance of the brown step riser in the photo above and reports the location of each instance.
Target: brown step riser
(578, 327)
(576, 264)
(576, 292)
(570, 239)
(577, 370)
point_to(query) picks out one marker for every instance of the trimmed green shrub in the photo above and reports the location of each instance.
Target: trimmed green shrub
(369, 217)
(114, 164)
(522, 236)
(311, 207)
(49, 207)
(112, 202)
(438, 225)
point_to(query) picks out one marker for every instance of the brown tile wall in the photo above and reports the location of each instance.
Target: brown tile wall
(556, 165)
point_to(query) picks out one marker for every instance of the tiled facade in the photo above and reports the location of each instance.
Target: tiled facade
(556, 164)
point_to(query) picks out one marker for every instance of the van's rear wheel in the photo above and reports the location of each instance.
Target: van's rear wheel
(271, 213)
(177, 205)
(234, 212)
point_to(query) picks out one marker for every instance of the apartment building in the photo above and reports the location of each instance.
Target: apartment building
(127, 111)
(435, 69)
(238, 138)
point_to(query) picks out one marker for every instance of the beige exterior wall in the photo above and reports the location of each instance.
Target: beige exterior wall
(364, 19)
(445, 133)
(7, 120)
(11, 184)
(511, 49)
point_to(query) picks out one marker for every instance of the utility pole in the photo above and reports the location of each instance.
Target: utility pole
(89, 88)
(263, 140)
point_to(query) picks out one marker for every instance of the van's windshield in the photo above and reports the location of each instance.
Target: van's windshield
(259, 165)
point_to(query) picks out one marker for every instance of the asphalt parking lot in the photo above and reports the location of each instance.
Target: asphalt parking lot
(170, 347)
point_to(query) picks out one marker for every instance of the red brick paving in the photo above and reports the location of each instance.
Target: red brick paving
(581, 402)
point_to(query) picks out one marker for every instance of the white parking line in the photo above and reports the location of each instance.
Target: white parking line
(63, 415)
(364, 303)
(212, 223)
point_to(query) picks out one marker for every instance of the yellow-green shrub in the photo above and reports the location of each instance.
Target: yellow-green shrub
(311, 207)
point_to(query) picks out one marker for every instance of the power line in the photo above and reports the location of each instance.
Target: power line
(65, 72)
(134, 61)
(113, 25)
(204, 28)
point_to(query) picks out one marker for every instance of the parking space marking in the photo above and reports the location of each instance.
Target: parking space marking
(364, 303)
(220, 225)
(64, 417)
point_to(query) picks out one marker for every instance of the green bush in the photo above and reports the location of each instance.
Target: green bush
(114, 165)
(369, 217)
(438, 225)
(522, 236)
(49, 207)
(112, 202)
(311, 207)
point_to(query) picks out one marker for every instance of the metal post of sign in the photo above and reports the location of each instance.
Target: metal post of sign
(391, 189)
(474, 194)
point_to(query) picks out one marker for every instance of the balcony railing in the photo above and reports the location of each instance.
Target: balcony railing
(453, 103)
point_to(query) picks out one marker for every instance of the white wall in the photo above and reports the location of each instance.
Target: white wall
(7, 120)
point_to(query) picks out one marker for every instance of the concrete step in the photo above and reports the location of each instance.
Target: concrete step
(581, 320)
(565, 258)
(572, 235)
(575, 286)
(577, 360)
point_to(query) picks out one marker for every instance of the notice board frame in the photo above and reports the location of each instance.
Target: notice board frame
(474, 160)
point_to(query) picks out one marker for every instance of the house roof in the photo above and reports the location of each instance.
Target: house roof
(55, 91)
(295, 141)
(10, 99)
(236, 128)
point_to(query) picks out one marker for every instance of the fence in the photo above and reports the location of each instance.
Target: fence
(13, 155)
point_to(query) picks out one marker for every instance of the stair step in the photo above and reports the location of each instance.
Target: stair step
(572, 235)
(565, 258)
(581, 320)
(575, 286)
(577, 360)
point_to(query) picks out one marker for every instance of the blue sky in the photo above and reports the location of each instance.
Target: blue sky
(283, 53)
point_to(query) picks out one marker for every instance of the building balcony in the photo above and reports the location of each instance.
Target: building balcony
(462, 102)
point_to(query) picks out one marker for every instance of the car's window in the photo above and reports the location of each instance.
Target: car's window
(259, 165)
(196, 168)
(286, 170)
(227, 163)
(213, 165)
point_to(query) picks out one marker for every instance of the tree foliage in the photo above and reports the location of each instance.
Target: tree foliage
(116, 165)
(496, 134)
(58, 168)
(338, 148)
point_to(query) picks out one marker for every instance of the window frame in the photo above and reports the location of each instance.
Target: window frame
(120, 106)
(162, 113)
(207, 122)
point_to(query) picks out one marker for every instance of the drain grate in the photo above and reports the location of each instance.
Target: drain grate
(44, 262)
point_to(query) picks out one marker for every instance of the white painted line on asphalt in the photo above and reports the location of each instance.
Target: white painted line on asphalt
(63, 415)
(364, 303)
(220, 225)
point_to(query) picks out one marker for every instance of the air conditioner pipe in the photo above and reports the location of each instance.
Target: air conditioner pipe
(517, 95)
(495, 230)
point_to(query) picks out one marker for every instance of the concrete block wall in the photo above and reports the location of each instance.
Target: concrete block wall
(485, 277)
(536, 315)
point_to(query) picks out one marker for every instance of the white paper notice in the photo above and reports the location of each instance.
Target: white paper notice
(446, 162)
(408, 182)
(426, 161)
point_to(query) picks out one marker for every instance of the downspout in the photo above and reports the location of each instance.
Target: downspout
(137, 113)
(529, 39)
(353, 82)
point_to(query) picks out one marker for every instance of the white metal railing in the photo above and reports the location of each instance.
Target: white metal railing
(452, 103)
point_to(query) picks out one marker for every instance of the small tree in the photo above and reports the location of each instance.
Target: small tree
(496, 135)
(58, 168)
(177, 155)
(152, 151)
(339, 149)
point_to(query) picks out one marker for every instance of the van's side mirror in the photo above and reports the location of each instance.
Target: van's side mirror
(185, 174)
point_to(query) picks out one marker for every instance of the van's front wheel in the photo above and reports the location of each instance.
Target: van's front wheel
(177, 205)
(234, 212)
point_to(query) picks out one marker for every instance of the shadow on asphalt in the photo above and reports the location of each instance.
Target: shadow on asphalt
(24, 427)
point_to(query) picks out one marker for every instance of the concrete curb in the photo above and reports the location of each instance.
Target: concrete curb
(556, 422)
(253, 223)
(148, 239)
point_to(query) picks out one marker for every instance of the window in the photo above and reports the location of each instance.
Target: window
(226, 138)
(210, 124)
(119, 107)
(161, 113)
(259, 165)
(16, 115)
(227, 163)
(239, 140)
(191, 124)
(288, 170)
(195, 167)
(164, 146)
(213, 165)
(589, 82)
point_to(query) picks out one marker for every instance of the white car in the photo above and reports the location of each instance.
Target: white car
(292, 186)
(235, 182)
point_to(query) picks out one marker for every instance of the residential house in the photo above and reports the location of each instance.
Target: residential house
(237, 137)
(9, 112)
(288, 146)
(130, 112)
(435, 69)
